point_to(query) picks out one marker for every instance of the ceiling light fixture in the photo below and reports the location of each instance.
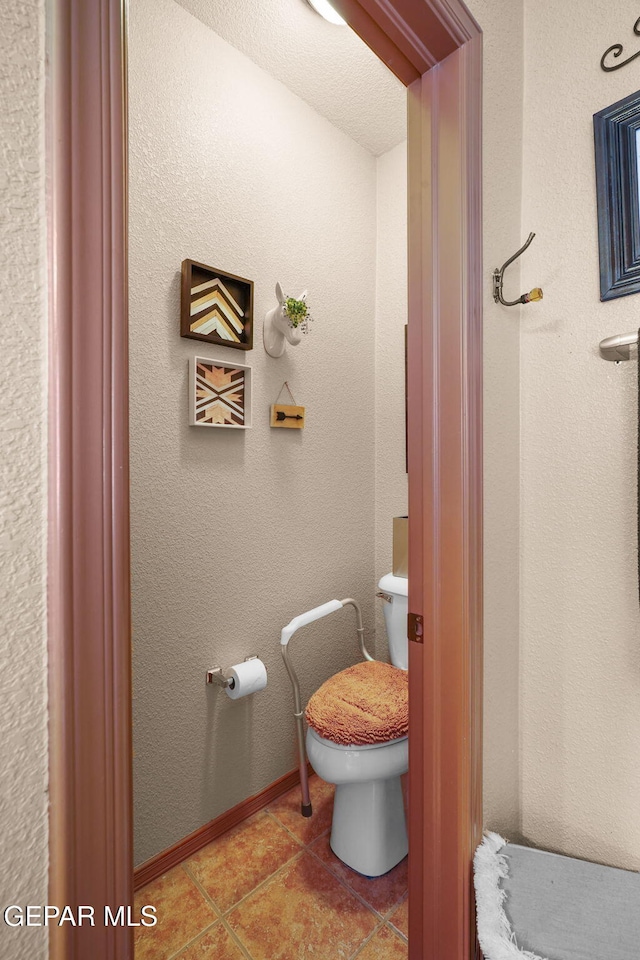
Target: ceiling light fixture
(324, 8)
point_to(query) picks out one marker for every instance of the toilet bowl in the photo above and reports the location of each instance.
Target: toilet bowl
(368, 830)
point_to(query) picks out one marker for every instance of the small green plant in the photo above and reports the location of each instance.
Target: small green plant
(297, 312)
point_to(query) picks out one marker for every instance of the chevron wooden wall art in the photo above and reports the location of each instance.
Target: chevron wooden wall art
(216, 307)
(219, 394)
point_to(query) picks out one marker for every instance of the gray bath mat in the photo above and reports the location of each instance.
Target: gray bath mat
(533, 905)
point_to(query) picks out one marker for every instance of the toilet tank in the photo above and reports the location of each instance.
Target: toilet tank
(395, 617)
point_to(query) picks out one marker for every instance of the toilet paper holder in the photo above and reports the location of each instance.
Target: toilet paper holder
(215, 675)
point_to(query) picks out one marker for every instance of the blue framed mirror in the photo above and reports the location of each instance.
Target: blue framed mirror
(617, 146)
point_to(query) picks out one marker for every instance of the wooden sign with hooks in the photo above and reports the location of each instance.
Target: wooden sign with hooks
(290, 416)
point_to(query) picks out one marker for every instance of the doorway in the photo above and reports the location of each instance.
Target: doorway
(293, 180)
(90, 681)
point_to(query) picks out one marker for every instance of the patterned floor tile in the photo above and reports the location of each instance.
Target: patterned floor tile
(385, 945)
(382, 893)
(400, 917)
(302, 912)
(231, 866)
(182, 914)
(216, 944)
(287, 810)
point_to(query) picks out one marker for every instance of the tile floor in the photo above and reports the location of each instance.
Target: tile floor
(271, 889)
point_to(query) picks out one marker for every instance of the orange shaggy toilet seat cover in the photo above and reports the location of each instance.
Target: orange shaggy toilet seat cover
(366, 703)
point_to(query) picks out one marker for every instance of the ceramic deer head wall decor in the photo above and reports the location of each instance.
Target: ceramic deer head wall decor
(285, 323)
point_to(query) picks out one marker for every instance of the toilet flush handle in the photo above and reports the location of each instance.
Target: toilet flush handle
(384, 596)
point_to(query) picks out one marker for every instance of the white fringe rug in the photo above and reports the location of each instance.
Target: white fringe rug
(533, 905)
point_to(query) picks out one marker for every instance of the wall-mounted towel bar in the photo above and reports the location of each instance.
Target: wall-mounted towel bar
(619, 347)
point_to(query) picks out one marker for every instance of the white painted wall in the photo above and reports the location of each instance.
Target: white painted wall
(326, 65)
(580, 670)
(234, 533)
(562, 691)
(502, 25)
(23, 488)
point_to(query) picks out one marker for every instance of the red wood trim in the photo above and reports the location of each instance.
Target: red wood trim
(419, 427)
(423, 37)
(185, 848)
(410, 36)
(391, 51)
(91, 792)
(89, 654)
(445, 503)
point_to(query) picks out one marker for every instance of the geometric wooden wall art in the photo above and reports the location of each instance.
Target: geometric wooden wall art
(219, 394)
(216, 307)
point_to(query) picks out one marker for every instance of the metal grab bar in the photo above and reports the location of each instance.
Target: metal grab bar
(301, 621)
(619, 347)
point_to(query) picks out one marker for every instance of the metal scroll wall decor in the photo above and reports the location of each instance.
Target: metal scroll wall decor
(616, 49)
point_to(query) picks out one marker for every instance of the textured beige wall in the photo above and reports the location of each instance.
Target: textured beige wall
(391, 317)
(160, 127)
(331, 69)
(233, 533)
(580, 671)
(23, 698)
(501, 22)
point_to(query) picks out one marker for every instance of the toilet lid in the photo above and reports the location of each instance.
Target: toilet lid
(366, 703)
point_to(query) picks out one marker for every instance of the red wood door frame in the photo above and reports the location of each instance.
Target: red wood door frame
(434, 47)
(445, 504)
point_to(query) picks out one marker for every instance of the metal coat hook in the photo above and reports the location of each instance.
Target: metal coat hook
(498, 280)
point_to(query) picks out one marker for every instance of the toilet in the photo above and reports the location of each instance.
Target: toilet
(369, 830)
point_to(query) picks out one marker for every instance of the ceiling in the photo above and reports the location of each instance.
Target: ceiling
(326, 65)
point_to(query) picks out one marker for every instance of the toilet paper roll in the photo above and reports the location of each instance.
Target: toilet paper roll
(248, 677)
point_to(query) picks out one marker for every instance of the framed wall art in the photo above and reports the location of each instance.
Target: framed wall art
(219, 394)
(617, 136)
(216, 307)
